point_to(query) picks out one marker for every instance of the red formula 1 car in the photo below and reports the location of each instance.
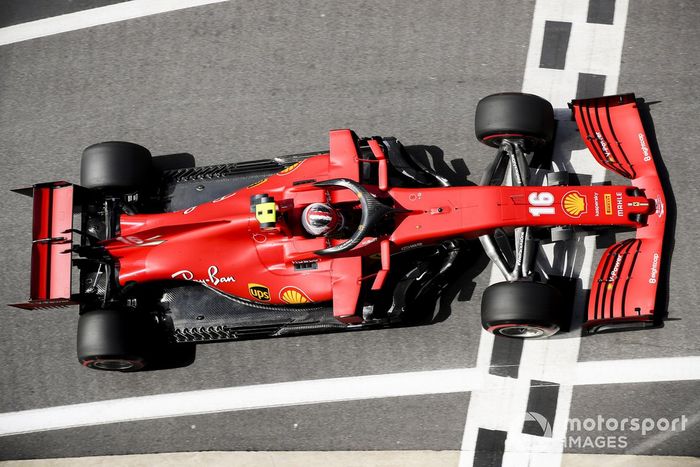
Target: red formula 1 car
(348, 238)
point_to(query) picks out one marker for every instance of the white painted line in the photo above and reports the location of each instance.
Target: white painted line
(540, 356)
(644, 370)
(595, 49)
(94, 17)
(240, 398)
(482, 411)
(404, 458)
(348, 389)
(479, 411)
(638, 370)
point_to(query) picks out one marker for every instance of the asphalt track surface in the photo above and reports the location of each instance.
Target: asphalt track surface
(248, 80)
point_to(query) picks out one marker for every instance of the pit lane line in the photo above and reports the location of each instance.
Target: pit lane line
(322, 391)
(568, 45)
(94, 17)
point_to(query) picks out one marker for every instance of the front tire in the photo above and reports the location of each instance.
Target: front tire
(113, 340)
(514, 115)
(521, 309)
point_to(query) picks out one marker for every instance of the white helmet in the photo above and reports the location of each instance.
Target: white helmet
(321, 219)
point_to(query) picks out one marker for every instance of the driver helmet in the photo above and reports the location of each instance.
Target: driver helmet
(321, 219)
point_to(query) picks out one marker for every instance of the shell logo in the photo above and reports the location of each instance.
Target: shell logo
(294, 296)
(290, 169)
(258, 183)
(574, 204)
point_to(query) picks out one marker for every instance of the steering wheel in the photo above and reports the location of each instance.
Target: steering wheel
(372, 212)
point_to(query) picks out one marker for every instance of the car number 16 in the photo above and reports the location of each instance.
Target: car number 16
(541, 203)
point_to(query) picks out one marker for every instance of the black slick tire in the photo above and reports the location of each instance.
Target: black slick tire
(513, 115)
(115, 166)
(113, 340)
(521, 309)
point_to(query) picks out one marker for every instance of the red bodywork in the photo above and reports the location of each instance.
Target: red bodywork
(50, 280)
(222, 245)
(625, 284)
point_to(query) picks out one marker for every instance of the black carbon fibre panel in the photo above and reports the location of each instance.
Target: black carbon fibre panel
(187, 187)
(199, 314)
(183, 195)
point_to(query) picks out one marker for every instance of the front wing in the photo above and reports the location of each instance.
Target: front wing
(624, 288)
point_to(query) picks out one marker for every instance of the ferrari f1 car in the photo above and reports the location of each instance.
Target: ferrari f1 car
(345, 239)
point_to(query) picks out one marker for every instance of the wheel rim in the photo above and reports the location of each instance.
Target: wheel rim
(524, 331)
(113, 364)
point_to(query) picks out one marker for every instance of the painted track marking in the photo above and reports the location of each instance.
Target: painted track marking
(592, 49)
(322, 391)
(94, 17)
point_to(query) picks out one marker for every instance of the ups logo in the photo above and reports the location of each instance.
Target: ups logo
(259, 292)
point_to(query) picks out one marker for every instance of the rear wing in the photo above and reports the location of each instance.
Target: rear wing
(623, 292)
(52, 239)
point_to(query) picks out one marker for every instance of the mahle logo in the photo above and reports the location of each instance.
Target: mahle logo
(574, 204)
(259, 292)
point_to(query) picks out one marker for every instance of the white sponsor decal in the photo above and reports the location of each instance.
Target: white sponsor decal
(596, 206)
(514, 163)
(645, 148)
(521, 246)
(136, 241)
(213, 279)
(603, 145)
(541, 203)
(616, 269)
(213, 271)
(366, 241)
(189, 210)
(659, 206)
(218, 200)
(620, 209)
(654, 269)
(184, 274)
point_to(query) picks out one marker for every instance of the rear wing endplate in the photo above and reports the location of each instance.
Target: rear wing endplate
(52, 238)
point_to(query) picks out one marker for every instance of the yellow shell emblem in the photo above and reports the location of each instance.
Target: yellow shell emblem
(258, 183)
(293, 296)
(574, 203)
(289, 169)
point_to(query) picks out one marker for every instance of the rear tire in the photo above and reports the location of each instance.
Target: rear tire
(115, 166)
(113, 340)
(521, 309)
(512, 115)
